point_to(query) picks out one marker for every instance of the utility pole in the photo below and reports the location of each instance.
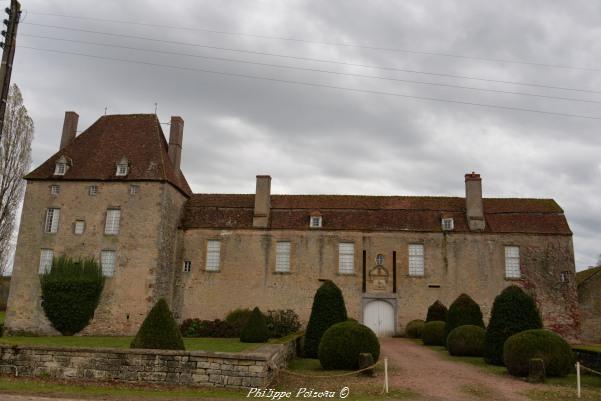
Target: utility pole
(8, 54)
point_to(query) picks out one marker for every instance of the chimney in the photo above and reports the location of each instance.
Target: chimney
(176, 134)
(262, 202)
(473, 202)
(69, 128)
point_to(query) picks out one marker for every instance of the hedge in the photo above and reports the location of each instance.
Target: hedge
(466, 340)
(463, 311)
(433, 333)
(414, 328)
(256, 330)
(159, 330)
(437, 311)
(342, 343)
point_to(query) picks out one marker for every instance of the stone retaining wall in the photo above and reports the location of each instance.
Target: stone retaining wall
(256, 368)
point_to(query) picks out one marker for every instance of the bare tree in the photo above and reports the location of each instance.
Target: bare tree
(15, 159)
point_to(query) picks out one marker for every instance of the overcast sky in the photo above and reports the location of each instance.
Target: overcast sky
(312, 139)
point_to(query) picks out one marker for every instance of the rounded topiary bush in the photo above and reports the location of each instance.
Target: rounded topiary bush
(433, 333)
(463, 311)
(159, 330)
(437, 311)
(512, 312)
(414, 328)
(342, 343)
(238, 318)
(538, 343)
(328, 309)
(466, 340)
(256, 330)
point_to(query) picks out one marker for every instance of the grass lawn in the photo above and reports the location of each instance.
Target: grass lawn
(192, 344)
(2, 315)
(595, 347)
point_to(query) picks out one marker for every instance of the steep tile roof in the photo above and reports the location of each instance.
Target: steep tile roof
(94, 154)
(587, 274)
(375, 213)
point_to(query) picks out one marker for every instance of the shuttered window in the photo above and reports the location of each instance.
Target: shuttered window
(213, 255)
(46, 256)
(52, 217)
(416, 260)
(512, 262)
(282, 256)
(346, 258)
(80, 226)
(112, 221)
(107, 262)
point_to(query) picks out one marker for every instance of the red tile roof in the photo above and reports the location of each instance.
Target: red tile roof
(96, 152)
(376, 213)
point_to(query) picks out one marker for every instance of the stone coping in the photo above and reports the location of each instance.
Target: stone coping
(263, 353)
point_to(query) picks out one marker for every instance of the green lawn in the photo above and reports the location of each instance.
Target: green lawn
(595, 347)
(192, 344)
(2, 315)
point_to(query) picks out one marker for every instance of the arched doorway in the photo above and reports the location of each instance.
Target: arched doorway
(379, 316)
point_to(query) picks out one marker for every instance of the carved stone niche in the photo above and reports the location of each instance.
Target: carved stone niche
(378, 279)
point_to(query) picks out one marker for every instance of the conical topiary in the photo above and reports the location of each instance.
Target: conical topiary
(512, 312)
(328, 309)
(159, 330)
(464, 310)
(256, 330)
(437, 312)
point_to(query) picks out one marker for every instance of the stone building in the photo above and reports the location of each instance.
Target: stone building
(116, 192)
(589, 299)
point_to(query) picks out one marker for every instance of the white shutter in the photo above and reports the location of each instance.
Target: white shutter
(346, 257)
(112, 221)
(46, 256)
(80, 226)
(512, 262)
(213, 255)
(52, 217)
(416, 260)
(107, 262)
(282, 256)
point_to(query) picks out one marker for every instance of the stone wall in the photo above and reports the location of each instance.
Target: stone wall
(196, 368)
(455, 263)
(589, 298)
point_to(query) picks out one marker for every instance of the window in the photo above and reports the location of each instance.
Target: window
(564, 277)
(380, 259)
(80, 227)
(416, 260)
(46, 257)
(512, 262)
(187, 266)
(55, 189)
(93, 190)
(112, 221)
(60, 168)
(52, 216)
(134, 189)
(282, 256)
(122, 169)
(346, 258)
(213, 255)
(107, 262)
(315, 222)
(448, 224)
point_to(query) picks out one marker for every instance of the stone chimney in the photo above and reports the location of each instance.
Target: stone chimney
(69, 128)
(473, 202)
(262, 202)
(176, 134)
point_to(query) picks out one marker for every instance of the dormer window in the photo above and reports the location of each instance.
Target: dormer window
(122, 168)
(448, 224)
(61, 166)
(315, 221)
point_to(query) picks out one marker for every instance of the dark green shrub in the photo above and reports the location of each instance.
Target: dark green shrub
(159, 330)
(512, 312)
(208, 328)
(437, 311)
(238, 318)
(342, 343)
(433, 333)
(256, 330)
(463, 311)
(282, 322)
(70, 293)
(328, 309)
(538, 343)
(466, 340)
(414, 328)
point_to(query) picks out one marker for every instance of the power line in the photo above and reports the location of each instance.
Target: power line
(316, 85)
(230, 60)
(119, 35)
(340, 44)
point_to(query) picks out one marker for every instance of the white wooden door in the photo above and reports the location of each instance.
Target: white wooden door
(379, 316)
